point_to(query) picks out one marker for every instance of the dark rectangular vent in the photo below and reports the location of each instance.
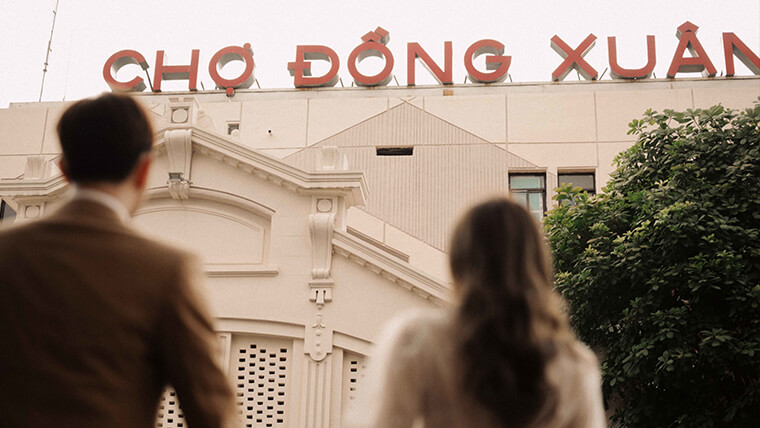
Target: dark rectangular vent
(395, 151)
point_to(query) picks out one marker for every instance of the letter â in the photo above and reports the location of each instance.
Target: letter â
(495, 61)
(300, 69)
(176, 72)
(415, 51)
(619, 72)
(224, 57)
(574, 58)
(116, 62)
(699, 61)
(732, 46)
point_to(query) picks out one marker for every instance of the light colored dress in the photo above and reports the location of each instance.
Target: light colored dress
(412, 382)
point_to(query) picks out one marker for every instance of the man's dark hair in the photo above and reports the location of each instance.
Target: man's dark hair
(103, 138)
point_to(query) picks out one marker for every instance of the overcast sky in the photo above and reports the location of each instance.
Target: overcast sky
(87, 32)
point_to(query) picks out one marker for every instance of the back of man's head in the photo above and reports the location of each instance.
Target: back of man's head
(103, 138)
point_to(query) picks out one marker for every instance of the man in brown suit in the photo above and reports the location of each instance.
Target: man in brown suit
(96, 319)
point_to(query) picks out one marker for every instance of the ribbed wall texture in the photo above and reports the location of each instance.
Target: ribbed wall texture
(420, 194)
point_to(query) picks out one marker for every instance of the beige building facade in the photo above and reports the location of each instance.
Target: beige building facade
(321, 214)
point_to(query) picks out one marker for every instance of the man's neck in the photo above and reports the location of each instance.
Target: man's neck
(115, 196)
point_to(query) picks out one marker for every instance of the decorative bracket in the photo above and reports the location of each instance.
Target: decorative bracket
(321, 226)
(179, 151)
(318, 338)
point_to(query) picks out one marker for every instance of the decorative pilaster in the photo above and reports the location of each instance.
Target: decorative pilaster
(318, 338)
(315, 394)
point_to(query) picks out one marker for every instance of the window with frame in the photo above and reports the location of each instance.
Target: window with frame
(585, 180)
(529, 190)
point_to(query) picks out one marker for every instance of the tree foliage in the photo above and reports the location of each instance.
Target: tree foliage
(662, 270)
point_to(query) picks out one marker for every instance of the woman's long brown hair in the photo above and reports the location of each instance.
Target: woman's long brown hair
(509, 323)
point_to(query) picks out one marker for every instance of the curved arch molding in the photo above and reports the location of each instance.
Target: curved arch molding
(229, 233)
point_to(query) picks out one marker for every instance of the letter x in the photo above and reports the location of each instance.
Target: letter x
(574, 58)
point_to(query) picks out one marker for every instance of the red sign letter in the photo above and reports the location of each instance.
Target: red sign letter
(116, 62)
(415, 51)
(574, 58)
(176, 72)
(224, 57)
(619, 72)
(374, 45)
(494, 61)
(733, 46)
(699, 61)
(301, 68)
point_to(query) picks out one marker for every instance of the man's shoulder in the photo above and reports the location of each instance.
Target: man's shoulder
(154, 251)
(99, 239)
(13, 235)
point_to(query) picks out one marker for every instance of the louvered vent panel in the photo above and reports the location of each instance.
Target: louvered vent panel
(260, 368)
(354, 370)
(169, 413)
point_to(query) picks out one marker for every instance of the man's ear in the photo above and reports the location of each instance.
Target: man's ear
(142, 169)
(64, 169)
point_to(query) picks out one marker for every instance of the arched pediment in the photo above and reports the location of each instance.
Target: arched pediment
(231, 235)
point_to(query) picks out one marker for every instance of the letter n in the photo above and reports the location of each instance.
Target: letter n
(415, 51)
(733, 46)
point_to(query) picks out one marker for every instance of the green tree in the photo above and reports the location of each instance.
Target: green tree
(662, 271)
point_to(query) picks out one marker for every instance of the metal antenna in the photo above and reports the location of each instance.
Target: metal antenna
(47, 54)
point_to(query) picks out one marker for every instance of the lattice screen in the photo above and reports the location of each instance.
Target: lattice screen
(354, 370)
(259, 369)
(169, 413)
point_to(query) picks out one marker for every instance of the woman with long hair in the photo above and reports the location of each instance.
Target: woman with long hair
(503, 356)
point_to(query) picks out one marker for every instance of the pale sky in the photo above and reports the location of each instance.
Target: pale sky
(87, 32)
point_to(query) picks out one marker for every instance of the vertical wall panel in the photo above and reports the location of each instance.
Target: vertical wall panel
(420, 194)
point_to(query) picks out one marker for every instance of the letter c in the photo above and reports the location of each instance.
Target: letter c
(116, 62)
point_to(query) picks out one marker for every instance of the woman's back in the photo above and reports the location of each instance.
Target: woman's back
(504, 356)
(416, 377)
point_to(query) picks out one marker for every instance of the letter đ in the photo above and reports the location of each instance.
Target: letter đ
(301, 68)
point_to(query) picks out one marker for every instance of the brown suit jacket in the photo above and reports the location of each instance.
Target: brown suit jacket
(95, 320)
